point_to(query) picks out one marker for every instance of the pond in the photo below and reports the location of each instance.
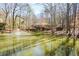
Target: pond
(38, 50)
(31, 45)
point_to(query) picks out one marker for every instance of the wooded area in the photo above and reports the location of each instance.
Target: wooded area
(56, 20)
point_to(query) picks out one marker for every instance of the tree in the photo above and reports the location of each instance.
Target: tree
(14, 6)
(68, 28)
(67, 19)
(29, 16)
(6, 10)
(50, 10)
(74, 18)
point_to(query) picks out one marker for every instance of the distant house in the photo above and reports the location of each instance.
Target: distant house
(41, 25)
(2, 25)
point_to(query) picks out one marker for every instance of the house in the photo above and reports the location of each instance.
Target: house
(42, 25)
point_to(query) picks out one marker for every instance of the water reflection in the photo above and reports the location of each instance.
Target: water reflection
(38, 50)
(23, 47)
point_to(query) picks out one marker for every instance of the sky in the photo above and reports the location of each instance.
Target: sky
(36, 8)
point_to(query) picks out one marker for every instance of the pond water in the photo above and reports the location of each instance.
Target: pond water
(35, 51)
(19, 32)
(38, 49)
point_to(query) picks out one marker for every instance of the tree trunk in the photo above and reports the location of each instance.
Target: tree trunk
(74, 18)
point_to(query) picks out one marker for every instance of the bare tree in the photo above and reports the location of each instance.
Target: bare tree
(14, 6)
(6, 11)
(29, 15)
(50, 9)
(74, 18)
(67, 18)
